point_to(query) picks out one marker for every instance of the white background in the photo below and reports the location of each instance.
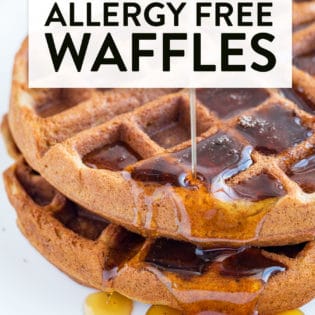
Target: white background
(29, 285)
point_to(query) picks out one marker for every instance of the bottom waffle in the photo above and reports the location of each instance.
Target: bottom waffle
(105, 256)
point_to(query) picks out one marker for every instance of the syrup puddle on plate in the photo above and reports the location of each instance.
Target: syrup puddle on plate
(162, 310)
(104, 303)
(292, 312)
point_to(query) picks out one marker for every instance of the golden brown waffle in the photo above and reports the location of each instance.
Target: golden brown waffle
(303, 12)
(107, 257)
(11, 147)
(254, 191)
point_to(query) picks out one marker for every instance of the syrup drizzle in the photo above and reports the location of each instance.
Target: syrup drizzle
(218, 280)
(207, 207)
(193, 133)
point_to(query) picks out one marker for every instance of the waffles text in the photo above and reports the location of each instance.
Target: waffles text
(160, 14)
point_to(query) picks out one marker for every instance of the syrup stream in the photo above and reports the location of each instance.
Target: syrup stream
(193, 132)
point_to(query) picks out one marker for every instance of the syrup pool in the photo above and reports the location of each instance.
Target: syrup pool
(207, 207)
(103, 303)
(162, 310)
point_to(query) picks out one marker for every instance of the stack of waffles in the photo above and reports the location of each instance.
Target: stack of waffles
(102, 187)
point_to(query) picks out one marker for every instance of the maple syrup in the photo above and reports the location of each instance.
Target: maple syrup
(259, 187)
(306, 62)
(215, 154)
(124, 245)
(218, 280)
(187, 259)
(303, 173)
(229, 102)
(273, 130)
(103, 303)
(250, 262)
(291, 312)
(162, 310)
(208, 208)
(113, 157)
(193, 133)
(175, 256)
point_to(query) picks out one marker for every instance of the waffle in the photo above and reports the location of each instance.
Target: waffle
(11, 147)
(122, 155)
(105, 256)
(303, 12)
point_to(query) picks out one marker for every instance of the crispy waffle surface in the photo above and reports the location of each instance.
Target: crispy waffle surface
(121, 154)
(106, 256)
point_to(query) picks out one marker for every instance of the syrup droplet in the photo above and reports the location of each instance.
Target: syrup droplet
(103, 303)
(229, 102)
(113, 157)
(162, 310)
(273, 130)
(303, 173)
(306, 62)
(292, 312)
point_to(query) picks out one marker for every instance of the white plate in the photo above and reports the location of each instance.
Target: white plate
(29, 285)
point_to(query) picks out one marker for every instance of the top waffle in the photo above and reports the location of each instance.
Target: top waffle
(125, 154)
